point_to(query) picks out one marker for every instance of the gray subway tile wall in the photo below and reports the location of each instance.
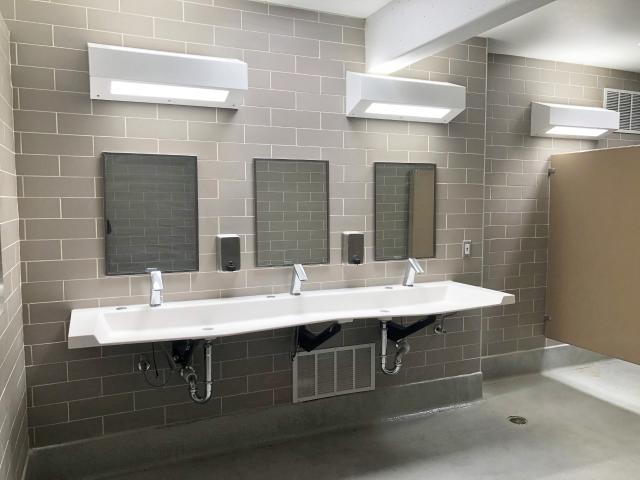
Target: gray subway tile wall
(294, 109)
(151, 215)
(13, 377)
(292, 212)
(516, 185)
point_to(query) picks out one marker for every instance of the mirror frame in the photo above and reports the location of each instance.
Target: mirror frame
(255, 208)
(104, 211)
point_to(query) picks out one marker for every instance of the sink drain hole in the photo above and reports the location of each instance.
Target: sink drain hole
(517, 420)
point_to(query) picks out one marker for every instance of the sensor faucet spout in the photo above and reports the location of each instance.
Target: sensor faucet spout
(413, 267)
(156, 287)
(298, 276)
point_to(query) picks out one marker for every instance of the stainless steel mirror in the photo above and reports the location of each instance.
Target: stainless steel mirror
(151, 213)
(292, 211)
(405, 210)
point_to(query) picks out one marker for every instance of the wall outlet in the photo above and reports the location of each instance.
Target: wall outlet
(466, 248)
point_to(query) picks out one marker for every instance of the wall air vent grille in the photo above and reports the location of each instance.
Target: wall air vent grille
(333, 371)
(627, 103)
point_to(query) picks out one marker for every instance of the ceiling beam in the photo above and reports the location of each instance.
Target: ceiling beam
(405, 31)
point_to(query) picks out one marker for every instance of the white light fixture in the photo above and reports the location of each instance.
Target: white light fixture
(395, 98)
(170, 91)
(137, 75)
(571, 121)
(407, 110)
(577, 131)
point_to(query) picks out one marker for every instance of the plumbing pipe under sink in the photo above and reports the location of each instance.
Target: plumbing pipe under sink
(192, 379)
(398, 333)
(402, 347)
(181, 360)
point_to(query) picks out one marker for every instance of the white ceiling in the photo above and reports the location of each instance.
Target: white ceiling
(604, 33)
(353, 8)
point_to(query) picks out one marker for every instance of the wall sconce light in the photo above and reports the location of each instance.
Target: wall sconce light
(571, 121)
(395, 98)
(137, 75)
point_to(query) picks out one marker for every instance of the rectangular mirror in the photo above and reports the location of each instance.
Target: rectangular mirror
(405, 210)
(151, 213)
(292, 212)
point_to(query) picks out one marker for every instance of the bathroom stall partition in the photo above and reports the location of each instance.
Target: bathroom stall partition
(593, 292)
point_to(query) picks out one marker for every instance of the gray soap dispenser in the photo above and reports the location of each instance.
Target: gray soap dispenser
(228, 252)
(353, 248)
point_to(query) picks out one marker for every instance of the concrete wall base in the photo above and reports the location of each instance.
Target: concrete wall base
(121, 453)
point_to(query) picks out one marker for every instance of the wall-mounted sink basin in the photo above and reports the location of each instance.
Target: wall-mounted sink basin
(232, 316)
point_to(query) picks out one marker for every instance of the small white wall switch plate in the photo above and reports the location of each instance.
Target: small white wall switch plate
(466, 248)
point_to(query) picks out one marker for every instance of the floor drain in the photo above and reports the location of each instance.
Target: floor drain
(517, 420)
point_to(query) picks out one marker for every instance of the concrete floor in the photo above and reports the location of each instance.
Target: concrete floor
(584, 423)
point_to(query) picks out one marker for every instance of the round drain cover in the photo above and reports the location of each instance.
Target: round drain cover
(517, 420)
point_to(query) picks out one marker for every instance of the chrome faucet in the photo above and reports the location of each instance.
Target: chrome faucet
(298, 276)
(155, 297)
(413, 267)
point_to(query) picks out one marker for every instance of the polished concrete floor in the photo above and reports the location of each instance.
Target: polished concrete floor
(583, 423)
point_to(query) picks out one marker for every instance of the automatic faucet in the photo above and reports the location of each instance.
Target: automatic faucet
(413, 267)
(155, 296)
(298, 276)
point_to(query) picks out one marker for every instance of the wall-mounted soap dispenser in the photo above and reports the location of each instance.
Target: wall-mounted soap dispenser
(353, 248)
(228, 253)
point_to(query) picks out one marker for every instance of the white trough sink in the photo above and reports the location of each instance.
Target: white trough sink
(92, 327)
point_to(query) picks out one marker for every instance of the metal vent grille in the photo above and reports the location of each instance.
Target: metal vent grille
(333, 371)
(627, 103)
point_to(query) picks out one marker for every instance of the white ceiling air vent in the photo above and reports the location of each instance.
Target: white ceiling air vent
(571, 121)
(395, 98)
(627, 103)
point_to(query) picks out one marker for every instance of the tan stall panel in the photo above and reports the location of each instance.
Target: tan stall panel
(593, 292)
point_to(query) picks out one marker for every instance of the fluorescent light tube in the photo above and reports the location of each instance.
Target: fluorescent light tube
(407, 110)
(155, 90)
(577, 131)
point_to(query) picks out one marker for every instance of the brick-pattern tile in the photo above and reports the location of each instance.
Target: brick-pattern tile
(151, 210)
(291, 212)
(516, 185)
(13, 391)
(294, 109)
